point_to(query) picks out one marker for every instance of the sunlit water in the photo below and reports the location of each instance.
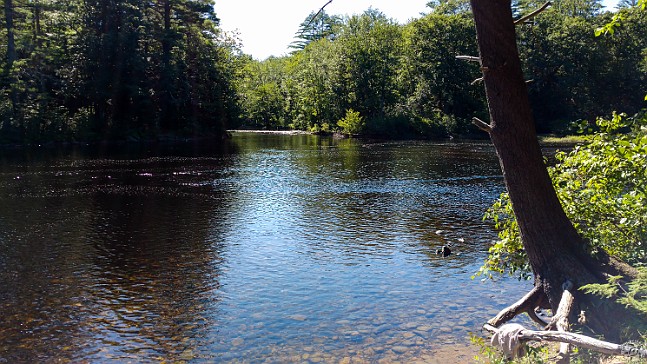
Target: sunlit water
(268, 248)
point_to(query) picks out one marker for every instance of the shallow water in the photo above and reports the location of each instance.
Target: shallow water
(268, 248)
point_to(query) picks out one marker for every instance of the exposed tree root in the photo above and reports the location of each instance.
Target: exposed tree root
(561, 320)
(509, 337)
(526, 304)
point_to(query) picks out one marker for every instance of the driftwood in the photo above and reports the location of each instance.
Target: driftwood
(510, 337)
(561, 319)
(579, 340)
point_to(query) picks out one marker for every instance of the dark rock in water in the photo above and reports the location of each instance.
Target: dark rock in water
(444, 251)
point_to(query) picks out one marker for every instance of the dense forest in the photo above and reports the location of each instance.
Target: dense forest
(131, 70)
(114, 69)
(405, 80)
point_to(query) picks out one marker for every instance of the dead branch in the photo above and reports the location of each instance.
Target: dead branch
(510, 337)
(317, 14)
(561, 320)
(533, 14)
(577, 340)
(482, 125)
(472, 59)
(469, 58)
(526, 304)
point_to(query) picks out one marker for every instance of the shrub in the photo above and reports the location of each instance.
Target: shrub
(603, 189)
(352, 123)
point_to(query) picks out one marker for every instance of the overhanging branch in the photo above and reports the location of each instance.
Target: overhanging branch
(533, 14)
(319, 12)
(482, 125)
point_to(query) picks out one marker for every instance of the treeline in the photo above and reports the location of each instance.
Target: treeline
(382, 78)
(134, 69)
(113, 69)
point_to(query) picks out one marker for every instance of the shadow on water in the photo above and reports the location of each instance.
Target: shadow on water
(267, 248)
(109, 258)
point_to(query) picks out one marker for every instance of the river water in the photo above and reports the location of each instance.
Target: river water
(267, 248)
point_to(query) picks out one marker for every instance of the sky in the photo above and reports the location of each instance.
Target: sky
(267, 27)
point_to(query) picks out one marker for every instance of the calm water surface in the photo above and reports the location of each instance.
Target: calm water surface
(269, 248)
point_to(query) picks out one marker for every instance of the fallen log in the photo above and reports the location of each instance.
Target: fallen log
(511, 337)
(579, 340)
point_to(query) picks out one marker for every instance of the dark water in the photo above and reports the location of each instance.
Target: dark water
(269, 248)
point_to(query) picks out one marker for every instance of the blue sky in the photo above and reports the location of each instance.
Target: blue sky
(267, 28)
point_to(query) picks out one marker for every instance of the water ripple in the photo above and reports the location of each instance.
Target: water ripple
(282, 249)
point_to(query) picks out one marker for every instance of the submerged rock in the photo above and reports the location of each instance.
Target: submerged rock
(444, 251)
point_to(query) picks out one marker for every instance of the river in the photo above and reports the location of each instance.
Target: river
(264, 248)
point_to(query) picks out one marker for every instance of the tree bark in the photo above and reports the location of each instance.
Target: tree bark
(556, 252)
(11, 53)
(11, 43)
(166, 116)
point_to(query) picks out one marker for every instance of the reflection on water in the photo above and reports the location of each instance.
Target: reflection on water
(270, 248)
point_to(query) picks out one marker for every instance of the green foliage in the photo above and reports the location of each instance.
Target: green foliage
(578, 76)
(437, 84)
(104, 69)
(635, 295)
(505, 256)
(488, 354)
(405, 80)
(318, 25)
(352, 123)
(602, 189)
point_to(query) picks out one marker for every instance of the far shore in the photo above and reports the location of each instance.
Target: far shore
(281, 132)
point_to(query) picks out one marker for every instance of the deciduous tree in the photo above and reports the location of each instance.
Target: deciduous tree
(557, 253)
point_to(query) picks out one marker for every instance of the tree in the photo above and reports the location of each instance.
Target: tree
(627, 3)
(556, 252)
(433, 79)
(601, 187)
(265, 103)
(578, 76)
(449, 7)
(316, 26)
(370, 52)
(352, 123)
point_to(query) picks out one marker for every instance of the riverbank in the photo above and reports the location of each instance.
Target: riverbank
(213, 137)
(564, 140)
(278, 132)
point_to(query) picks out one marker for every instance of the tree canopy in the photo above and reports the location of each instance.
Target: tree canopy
(105, 69)
(405, 80)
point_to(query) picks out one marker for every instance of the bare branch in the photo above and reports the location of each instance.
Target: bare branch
(510, 337)
(482, 125)
(469, 58)
(527, 303)
(577, 340)
(480, 79)
(317, 14)
(533, 14)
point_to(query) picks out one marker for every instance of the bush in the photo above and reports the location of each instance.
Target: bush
(603, 189)
(352, 123)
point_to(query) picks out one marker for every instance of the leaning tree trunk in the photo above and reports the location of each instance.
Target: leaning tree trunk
(11, 52)
(556, 252)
